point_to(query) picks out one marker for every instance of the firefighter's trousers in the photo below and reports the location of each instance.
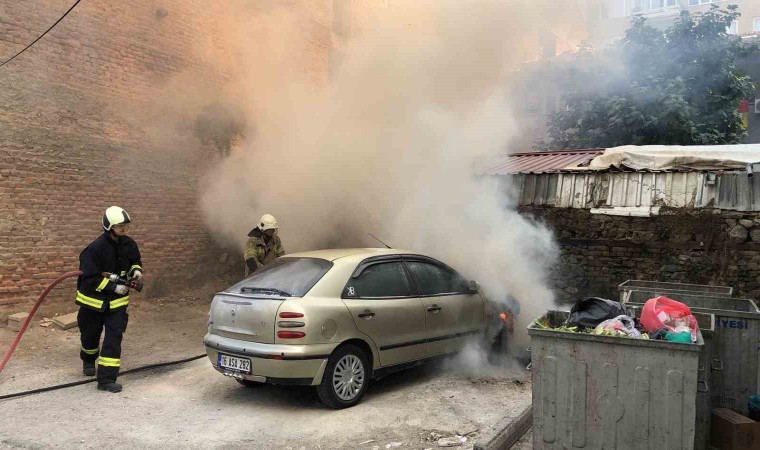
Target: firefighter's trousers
(91, 324)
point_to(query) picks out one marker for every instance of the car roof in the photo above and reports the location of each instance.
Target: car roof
(355, 253)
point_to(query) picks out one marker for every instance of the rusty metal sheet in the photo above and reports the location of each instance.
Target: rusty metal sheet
(541, 162)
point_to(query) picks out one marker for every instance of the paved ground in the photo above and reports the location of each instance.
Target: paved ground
(162, 329)
(192, 406)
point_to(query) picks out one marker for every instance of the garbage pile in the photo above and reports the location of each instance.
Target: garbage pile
(661, 318)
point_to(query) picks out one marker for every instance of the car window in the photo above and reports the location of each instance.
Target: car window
(380, 280)
(435, 280)
(292, 276)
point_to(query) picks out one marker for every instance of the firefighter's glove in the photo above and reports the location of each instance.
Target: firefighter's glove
(137, 275)
(121, 289)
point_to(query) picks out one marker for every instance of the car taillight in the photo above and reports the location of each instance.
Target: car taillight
(290, 334)
(290, 315)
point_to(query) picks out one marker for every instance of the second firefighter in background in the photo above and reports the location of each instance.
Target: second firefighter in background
(263, 246)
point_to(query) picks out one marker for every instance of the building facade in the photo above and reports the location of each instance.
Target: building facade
(608, 19)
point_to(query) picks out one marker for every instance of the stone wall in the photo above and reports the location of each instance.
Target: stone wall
(598, 252)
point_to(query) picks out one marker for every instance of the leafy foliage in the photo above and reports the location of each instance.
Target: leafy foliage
(680, 86)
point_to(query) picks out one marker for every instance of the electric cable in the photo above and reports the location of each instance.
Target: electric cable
(41, 36)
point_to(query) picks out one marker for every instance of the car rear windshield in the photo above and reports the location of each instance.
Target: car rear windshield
(285, 277)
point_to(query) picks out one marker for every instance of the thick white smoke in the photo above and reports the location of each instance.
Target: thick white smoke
(392, 144)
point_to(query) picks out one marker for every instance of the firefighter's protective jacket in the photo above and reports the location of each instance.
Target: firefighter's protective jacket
(105, 255)
(260, 252)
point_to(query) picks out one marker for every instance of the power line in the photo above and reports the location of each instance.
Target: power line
(41, 36)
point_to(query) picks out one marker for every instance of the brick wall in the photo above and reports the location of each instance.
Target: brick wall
(686, 246)
(89, 117)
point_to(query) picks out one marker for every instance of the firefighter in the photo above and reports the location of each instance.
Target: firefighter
(264, 245)
(103, 296)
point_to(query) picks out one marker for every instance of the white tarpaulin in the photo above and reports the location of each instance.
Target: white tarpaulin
(677, 157)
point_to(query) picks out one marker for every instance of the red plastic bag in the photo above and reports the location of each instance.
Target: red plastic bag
(663, 312)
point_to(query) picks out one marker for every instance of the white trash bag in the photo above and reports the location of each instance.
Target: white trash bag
(619, 326)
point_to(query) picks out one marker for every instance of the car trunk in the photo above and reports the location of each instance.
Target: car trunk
(248, 318)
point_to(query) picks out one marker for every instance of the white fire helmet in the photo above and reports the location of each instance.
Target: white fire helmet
(114, 216)
(267, 222)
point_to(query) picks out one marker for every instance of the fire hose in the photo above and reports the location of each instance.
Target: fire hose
(28, 320)
(31, 316)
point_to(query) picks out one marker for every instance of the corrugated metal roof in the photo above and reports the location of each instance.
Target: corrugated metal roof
(541, 162)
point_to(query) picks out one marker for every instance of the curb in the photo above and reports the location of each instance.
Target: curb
(504, 437)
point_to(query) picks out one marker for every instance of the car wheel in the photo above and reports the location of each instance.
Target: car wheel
(345, 379)
(249, 383)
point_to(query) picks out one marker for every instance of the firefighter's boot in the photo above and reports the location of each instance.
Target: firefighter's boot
(88, 368)
(110, 387)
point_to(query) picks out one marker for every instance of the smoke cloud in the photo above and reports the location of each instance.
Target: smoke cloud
(392, 144)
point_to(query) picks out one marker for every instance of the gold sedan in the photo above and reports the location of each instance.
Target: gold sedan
(336, 318)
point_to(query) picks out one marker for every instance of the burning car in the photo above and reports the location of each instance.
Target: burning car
(334, 319)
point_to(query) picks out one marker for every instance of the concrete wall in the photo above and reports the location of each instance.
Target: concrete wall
(88, 119)
(681, 245)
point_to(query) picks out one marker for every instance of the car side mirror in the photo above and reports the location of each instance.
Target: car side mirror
(474, 286)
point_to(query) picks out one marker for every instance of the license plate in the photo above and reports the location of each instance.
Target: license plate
(235, 364)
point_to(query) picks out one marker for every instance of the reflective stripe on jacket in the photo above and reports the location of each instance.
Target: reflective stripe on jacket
(105, 255)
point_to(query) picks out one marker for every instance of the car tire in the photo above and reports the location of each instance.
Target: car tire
(345, 379)
(249, 383)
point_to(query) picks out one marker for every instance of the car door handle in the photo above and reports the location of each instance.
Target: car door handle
(434, 308)
(367, 314)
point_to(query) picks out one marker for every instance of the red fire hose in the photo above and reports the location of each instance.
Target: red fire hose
(31, 316)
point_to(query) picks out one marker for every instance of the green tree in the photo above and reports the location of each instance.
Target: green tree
(680, 86)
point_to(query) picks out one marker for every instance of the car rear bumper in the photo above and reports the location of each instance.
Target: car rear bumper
(272, 363)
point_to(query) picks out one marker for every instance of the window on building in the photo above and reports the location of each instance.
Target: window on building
(625, 8)
(733, 28)
(663, 3)
(618, 8)
(702, 2)
(756, 25)
(645, 5)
